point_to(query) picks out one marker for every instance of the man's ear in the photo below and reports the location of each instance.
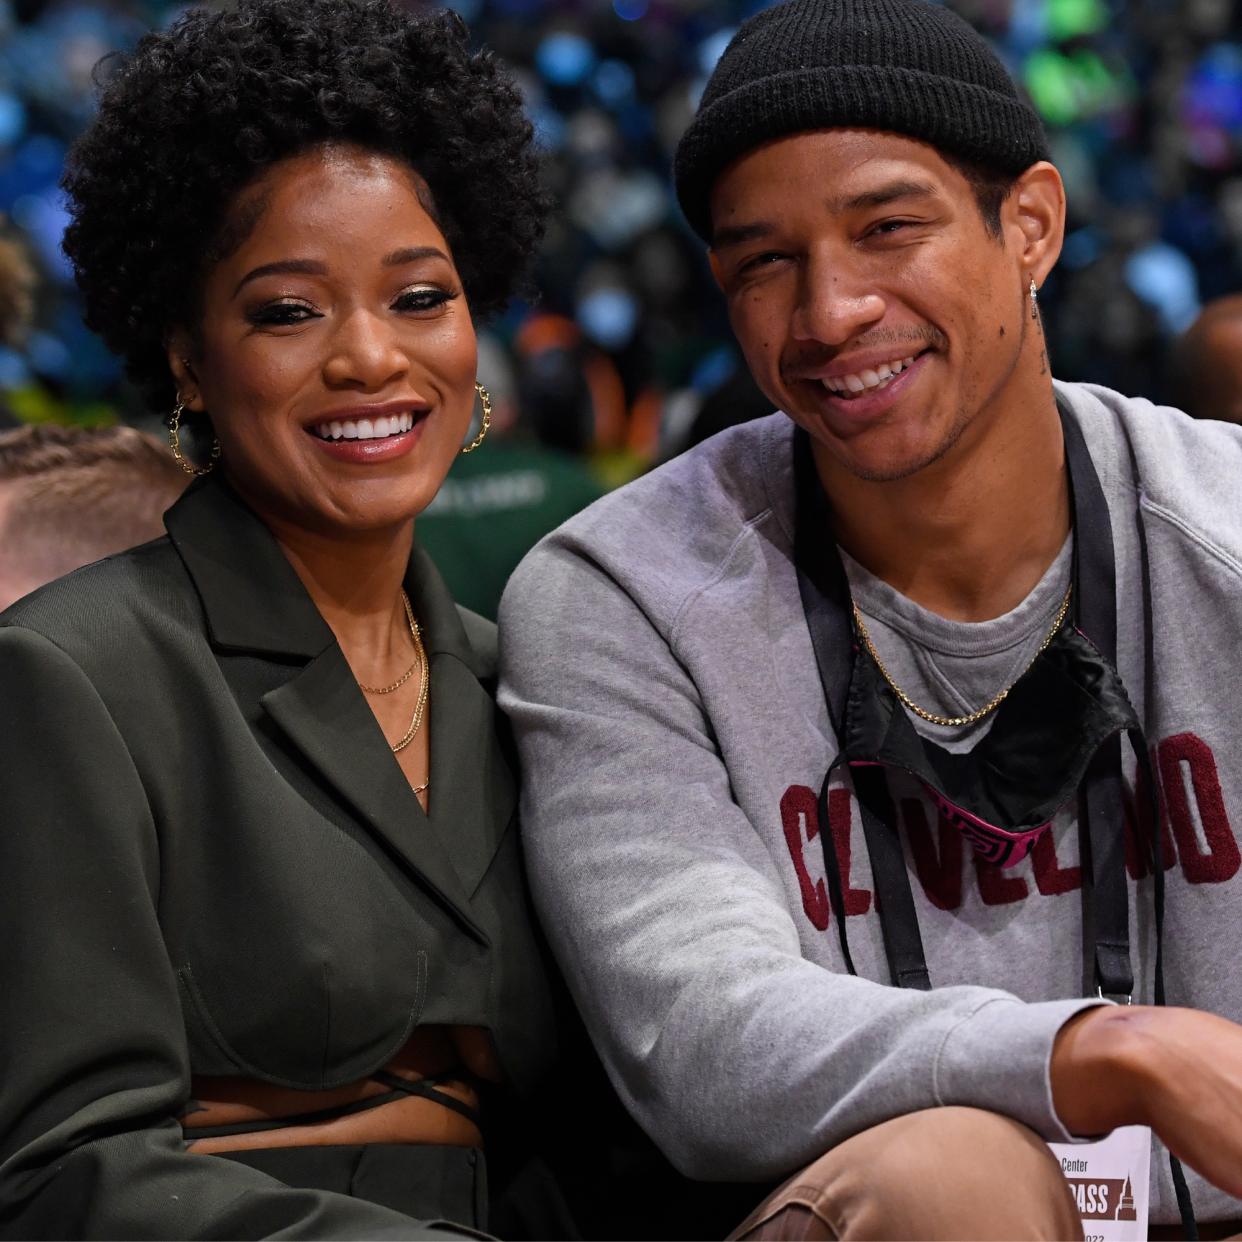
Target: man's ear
(1035, 207)
(188, 388)
(715, 262)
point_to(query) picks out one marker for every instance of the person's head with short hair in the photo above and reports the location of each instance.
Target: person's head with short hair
(1206, 363)
(17, 286)
(287, 217)
(73, 495)
(877, 198)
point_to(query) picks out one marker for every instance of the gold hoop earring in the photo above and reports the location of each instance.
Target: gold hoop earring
(174, 443)
(487, 419)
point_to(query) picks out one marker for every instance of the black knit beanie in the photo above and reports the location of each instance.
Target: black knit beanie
(909, 66)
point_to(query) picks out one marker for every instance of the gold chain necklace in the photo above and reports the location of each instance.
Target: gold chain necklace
(396, 685)
(420, 663)
(983, 711)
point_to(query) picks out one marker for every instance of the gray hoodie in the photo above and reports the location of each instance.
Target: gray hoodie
(658, 669)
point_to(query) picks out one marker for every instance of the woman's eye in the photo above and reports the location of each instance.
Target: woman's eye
(421, 300)
(281, 314)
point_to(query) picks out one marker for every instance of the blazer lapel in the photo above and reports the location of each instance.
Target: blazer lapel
(253, 597)
(472, 792)
(323, 712)
(254, 601)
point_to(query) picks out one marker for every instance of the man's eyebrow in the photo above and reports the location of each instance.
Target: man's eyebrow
(412, 254)
(737, 234)
(881, 196)
(286, 267)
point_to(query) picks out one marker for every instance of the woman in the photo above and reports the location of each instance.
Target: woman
(266, 944)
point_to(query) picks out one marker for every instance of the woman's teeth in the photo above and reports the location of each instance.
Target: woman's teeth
(868, 381)
(365, 428)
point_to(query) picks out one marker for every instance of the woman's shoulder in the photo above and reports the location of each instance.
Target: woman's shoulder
(103, 609)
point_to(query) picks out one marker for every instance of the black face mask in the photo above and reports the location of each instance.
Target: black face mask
(1003, 794)
(1057, 732)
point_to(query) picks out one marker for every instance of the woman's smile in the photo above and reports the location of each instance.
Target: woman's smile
(364, 435)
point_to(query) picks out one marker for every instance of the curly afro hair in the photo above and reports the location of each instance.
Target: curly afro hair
(196, 113)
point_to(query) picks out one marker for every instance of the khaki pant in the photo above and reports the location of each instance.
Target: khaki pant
(947, 1173)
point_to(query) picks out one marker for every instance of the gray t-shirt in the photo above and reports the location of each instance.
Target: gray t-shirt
(953, 668)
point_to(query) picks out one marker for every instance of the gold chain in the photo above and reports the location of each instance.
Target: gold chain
(396, 685)
(983, 711)
(421, 663)
(424, 680)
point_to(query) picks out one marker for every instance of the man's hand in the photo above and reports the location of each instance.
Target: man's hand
(1178, 1071)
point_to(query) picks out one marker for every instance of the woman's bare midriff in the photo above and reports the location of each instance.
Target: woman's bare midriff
(430, 1051)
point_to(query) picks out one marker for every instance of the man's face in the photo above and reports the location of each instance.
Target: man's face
(872, 303)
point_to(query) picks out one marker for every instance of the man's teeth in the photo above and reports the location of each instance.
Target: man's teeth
(868, 381)
(366, 428)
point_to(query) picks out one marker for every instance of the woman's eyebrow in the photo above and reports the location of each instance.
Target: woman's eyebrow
(312, 267)
(297, 267)
(411, 254)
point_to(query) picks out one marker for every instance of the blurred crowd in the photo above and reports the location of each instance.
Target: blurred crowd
(624, 357)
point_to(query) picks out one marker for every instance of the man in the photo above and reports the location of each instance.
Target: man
(1036, 569)
(72, 495)
(1207, 362)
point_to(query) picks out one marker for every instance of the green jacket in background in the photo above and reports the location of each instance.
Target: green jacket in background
(495, 505)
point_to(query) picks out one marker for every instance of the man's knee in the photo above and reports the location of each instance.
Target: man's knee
(942, 1173)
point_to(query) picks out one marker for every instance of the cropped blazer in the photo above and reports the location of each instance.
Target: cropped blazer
(214, 865)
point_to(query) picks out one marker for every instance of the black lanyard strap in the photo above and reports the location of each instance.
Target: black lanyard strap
(826, 600)
(903, 943)
(1106, 901)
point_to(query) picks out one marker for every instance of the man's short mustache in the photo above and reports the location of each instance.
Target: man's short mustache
(812, 354)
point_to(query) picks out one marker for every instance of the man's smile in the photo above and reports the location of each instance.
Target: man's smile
(867, 379)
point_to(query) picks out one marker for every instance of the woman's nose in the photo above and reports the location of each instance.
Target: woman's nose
(365, 353)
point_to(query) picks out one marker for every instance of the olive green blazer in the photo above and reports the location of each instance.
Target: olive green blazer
(212, 863)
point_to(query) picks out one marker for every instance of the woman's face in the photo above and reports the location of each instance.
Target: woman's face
(336, 355)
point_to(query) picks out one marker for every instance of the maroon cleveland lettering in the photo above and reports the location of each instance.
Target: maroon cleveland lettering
(1139, 834)
(1222, 860)
(1187, 787)
(939, 869)
(1050, 877)
(857, 900)
(995, 887)
(799, 805)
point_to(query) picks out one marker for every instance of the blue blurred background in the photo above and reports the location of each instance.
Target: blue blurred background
(627, 357)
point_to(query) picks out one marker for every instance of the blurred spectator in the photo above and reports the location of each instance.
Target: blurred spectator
(625, 357)
(1206, 364)
(495, 505)
(500, 500)
(69, 496)
(17, 283)
(737, 400)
